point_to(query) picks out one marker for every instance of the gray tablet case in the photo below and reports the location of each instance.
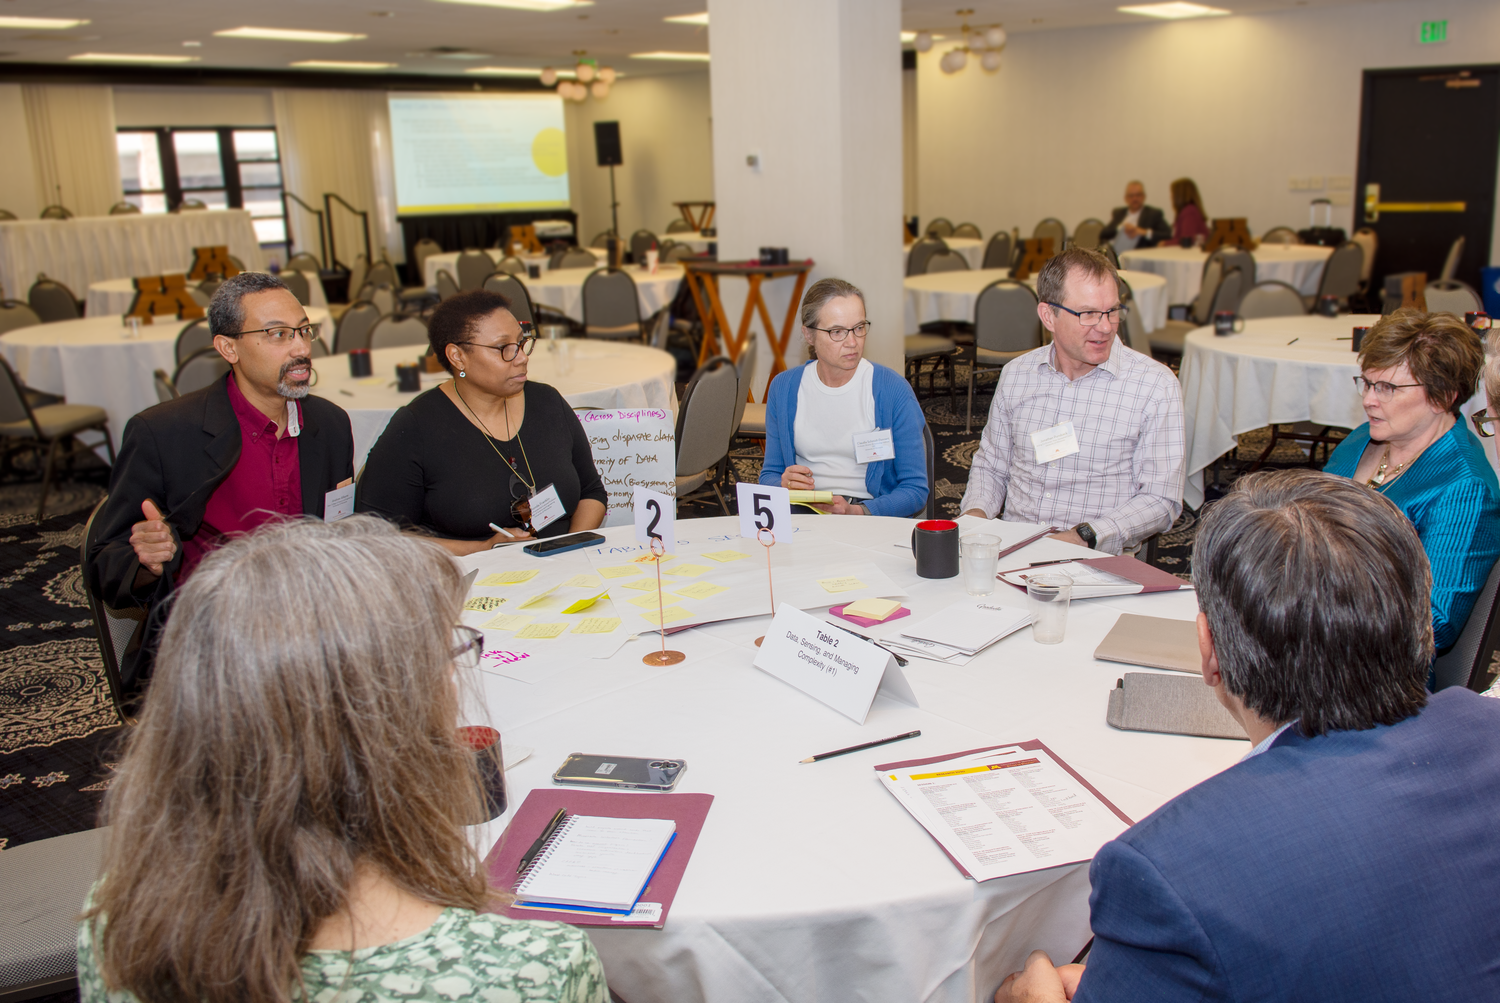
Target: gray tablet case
(1169, 704)
(1152, 641)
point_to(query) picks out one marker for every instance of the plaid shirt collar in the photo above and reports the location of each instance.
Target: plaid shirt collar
(1114, 365)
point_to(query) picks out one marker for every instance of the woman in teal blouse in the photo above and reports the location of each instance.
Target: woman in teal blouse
(1418, 369)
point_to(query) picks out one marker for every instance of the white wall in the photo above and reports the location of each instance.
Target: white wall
(186, 106)
(1240, 104)
(666, 139)
(18, 188)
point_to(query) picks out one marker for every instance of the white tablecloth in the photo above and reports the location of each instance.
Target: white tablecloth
(90, 361)
(79, 252)
(448, 261)
(811, 883)
(114, 296)
(971, 248)
(951, 296)
(600, 374)
(1299, 265)
(562, 289)
(693, 239)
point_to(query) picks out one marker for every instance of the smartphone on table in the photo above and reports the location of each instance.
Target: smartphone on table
(630, 772)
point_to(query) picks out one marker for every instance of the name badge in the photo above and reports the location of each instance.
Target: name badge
(1054, 443)
(293, 420)
(546, 508)
(872, 446)
(338, 503)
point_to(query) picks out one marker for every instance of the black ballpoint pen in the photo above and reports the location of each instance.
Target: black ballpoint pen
(899, 660)
(541, 840)
(862, 747)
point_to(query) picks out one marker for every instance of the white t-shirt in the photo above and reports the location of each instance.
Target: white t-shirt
(1122, 242)
(827, 419)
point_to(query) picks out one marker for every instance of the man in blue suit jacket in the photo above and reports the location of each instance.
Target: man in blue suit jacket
(1354, 854)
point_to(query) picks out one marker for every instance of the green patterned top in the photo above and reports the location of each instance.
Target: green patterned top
(463, 956)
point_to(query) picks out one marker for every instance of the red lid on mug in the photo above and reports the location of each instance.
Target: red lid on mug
(937, 525)
(478, 737)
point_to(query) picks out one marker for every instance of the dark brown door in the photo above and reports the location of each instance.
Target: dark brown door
(1428, 141)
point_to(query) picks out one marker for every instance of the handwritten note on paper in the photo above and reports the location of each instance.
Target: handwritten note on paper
(542, 595)
(700, 590)
(597, 625)
(620, 571)
(584, 604)
(725, 556)
(846, 584)
(649, 558)
(582, 582)
(484, 604)
(648, 601)
(507, 621)
(686, 570)
(507, 578)
(665, 615)
(641, 584)
(541, 631)
(631, 447)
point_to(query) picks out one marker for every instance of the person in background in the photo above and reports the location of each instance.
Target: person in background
(1351, 854)
(1190, 223)
(289, 814)
(1135, 224)
(488, 446)
(1083, 433)
(219, 461)
(840, 422)
(1418, 369)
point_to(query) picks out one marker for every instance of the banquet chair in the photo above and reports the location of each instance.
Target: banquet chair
(920, 348)
(165, 391)
(916, 258)
(1272, 299)
(382, 295)
(1280, 235)
(940, 227)
(705, 420)
(57, 212)
(1450, 264)
(947, 261)
(677, 252)
(1368, 242)
(1245, 262)
(611, 306)
(192, 205)
(968, 230)
(15, 315)
(1340, 274)
(1006, 327)
(116, 630)
(512, 288)
(1471, 661)
(1453, 297)
(303, 262)
(424, 249)
(317, 348)
(382, 273)
(52, 300)
(679, 225)
(1087, 233)
(354, 326)
(512, 265)
(602, 239)
(929, 449)
(392, 330)
(1108, 250)
(358, 272)
(447, 288)
(666, 245)
(192, 339)
(473, 268)
(199, 370)
(1130, 329)
(750, 420)
(297, 284)
(24, 426)
(124, 209)
(237, 263)
(997, 251)
(640, 242)
(42, 883)
(1170, 338)
(576, 257)
(1054, 229)
(207, 288)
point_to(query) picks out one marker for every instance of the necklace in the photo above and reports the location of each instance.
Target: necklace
(1380, 477)
(530, 484)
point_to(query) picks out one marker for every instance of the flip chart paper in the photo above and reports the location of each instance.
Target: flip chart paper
(582, 582)
(655, 517)
(830, 665)
(685, 570)
(597, 625)
(484, 604)
(583, 604)
(508, 578)
(725, 556)
(763, 506)
(541, 630)
(700, 590)
(620, 571)
(631, 446)
(507, 621)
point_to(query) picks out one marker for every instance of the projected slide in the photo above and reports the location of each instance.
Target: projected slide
(478, 152)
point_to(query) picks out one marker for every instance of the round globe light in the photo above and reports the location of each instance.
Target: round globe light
(995, 37)
(549, 77)
(585, 72)
(954, 60)
(923, 41)
(599, 89)
(580, 92)
(976, 42)
(990, 61)
(607, 74)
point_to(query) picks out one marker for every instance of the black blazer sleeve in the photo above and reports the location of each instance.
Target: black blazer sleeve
(1157, 226)
(325, 454)
(1113, 226)
(138, 474)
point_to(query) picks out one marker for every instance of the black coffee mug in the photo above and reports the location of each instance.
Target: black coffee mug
(1185, 242)
(1228, 322)
(1478, 321)
(1359, 337)
(359, 362)
(408, 379)
(1328, 306)
(486, 745)
(535, 271)
(934, 543)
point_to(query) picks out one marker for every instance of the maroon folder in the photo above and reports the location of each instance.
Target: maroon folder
(687, 810)
(1150, 579)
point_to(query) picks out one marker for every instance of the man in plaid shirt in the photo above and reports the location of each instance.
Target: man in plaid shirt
(1083, 434)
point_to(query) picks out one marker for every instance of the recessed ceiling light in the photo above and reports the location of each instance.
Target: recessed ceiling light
(1173, 11)
(335, 64)
(908, 36)
(192, 45)
(42, 23)
(699, 57)
(540, 5)
(688, 19)
(129, 57)
(289, 34)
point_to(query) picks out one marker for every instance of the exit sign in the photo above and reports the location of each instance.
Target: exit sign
(1432, 32)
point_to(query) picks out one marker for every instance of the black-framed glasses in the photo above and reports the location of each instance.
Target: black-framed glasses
(520, 505)
(860, 330)
(1092, 318)
(1484, 424)
(1383, 391)
(468, 645)
(282, 334)
(509, 349)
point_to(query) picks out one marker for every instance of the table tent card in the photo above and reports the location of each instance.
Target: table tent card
(829, 664)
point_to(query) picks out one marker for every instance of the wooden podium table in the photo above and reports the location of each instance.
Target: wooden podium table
(703, 282)
(704, 218)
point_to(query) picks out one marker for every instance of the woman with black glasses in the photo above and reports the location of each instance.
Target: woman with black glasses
(489, 448)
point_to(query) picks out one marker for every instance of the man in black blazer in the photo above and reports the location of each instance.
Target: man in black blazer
(1136, 224)
(222, 460)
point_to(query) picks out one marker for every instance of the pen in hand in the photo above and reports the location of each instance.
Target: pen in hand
(501, 529)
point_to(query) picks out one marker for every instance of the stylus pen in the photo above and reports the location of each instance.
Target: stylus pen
(541, 840)
(1029, 540)
(860, 748)
(500, 529)
(899, 660)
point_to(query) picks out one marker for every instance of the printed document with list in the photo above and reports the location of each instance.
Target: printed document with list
(1006, 810)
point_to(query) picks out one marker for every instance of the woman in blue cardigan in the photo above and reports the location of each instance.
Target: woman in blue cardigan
(840, 422)
(1418, 369)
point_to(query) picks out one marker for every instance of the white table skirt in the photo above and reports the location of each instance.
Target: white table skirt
(79, 252)
(114, 296)
(811, 883)
(448, 261)
(1299, 265)
(90, 361)
(951, 296)
(601, 374)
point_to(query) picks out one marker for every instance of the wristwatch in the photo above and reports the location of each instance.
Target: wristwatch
(1086, 534)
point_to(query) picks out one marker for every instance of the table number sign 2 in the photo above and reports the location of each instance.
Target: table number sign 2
(655, 516)
(831, 666)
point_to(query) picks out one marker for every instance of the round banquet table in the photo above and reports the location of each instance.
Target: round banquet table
(90, 361)
(1299, 265)
(697, 241)
(810, 882)
(114, 296)
(448, 261)
(972, 249)
(562, 288)
(600, 374)
(951, 295)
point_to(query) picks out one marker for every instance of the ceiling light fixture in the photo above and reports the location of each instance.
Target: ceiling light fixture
(335, 64)
(289, 34)
(698, 19)
(42, 23)
(1173, 11)
(537, 5)
(699, 57)
(129, 57)
(984, 42)
(590, 77)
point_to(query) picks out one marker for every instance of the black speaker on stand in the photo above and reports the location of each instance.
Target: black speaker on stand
(607, 150)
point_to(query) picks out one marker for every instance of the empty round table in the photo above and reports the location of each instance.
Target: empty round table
(448, 262)
(1299, 265)
(115, 296)
(562, 288)
(951, 296)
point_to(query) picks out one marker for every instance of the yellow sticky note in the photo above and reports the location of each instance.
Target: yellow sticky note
(845, 584)
(641, 584)
(582, 582)
(541, 630)
(484, 604)
(620, 571)
(584, 604)
(700, 590)
(371, 381)
(649, 558)
(507, 621)
(507, 578)
(597, 625)
(686, 570)
(542, 595)
(667, 614)
(724, 556)
(648, 601)
(873, 609)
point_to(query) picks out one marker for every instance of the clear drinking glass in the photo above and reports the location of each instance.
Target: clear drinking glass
(981, 558)
(1048, 596)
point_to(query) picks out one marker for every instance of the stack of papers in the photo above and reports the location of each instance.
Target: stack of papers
(959, 632)
(1096, 577)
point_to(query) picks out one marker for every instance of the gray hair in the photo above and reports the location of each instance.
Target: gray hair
(1491, 372)
(818, 296)
(226, 316)
(1319, 596)
(1052, 280)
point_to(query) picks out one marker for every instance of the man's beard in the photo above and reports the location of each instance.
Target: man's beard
(293, 391)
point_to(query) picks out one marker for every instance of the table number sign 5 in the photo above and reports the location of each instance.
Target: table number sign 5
(764, 507)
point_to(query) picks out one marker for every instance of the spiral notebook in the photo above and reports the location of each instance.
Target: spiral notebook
(595, 862)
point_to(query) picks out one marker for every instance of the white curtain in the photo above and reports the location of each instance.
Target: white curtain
(73, 146)
(340, 142)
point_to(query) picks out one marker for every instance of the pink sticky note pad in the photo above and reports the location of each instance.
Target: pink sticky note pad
(865, 621)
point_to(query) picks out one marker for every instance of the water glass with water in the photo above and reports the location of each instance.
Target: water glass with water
(1048, 596)
(981, 558)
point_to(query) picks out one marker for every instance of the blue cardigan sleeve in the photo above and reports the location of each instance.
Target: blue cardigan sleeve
(781, 418)
(898, 487)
